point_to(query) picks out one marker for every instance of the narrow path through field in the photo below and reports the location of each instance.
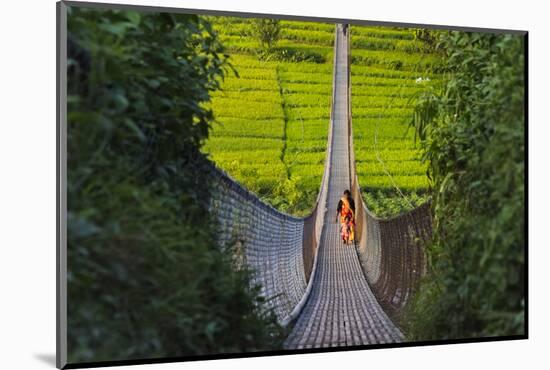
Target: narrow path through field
(341, 309)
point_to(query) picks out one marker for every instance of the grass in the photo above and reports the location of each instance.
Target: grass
(272, 117)
(389, 68)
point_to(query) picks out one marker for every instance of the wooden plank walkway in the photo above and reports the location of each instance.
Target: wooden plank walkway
(341, 309)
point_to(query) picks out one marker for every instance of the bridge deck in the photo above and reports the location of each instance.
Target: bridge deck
(341, 309)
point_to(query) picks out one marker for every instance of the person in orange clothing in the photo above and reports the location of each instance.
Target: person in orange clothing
(346, 213)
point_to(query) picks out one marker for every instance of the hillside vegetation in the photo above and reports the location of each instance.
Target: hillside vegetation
(146, 278)
(390, 67)
(272, 113)
(472, 132)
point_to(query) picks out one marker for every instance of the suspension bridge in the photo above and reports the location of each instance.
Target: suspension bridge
(329, 294)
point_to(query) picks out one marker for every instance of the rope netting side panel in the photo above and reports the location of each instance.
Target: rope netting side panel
(392, 255)
(391, 250)
(266, 240)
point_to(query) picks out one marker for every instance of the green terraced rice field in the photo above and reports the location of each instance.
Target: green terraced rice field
(386, 66)
(272, 119)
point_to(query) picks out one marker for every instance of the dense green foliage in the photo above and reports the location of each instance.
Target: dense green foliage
(390, 66)
(145, 276)
(273, 116)
(472, 133)
(267, 31)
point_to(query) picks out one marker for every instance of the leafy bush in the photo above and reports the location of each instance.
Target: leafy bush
(428, 38)
(293, 195)
(267, 31)
(387, 203)
(145, 276)
(472, 133)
